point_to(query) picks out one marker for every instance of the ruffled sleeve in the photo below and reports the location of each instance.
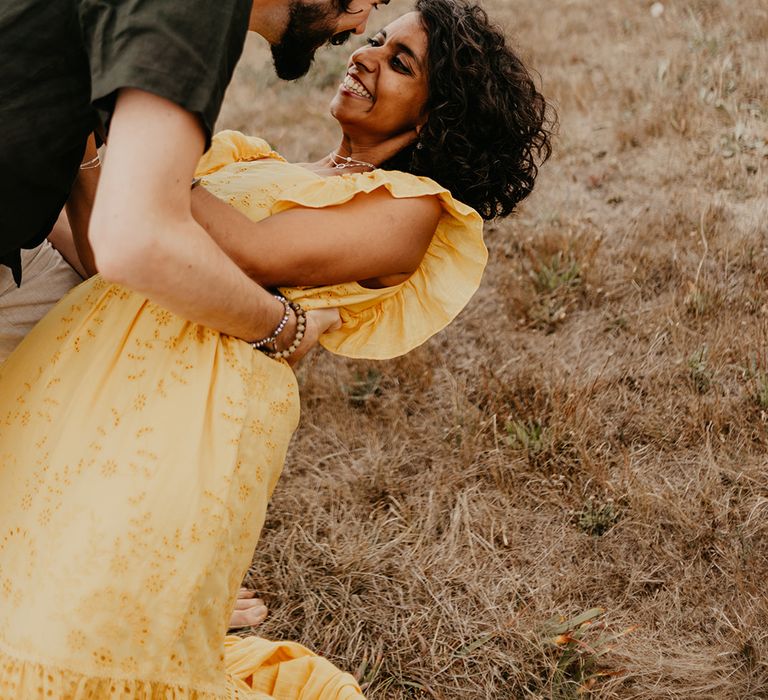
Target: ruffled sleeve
(385, 323)
(233, 147)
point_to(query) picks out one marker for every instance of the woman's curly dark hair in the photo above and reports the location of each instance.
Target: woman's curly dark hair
(488, 129)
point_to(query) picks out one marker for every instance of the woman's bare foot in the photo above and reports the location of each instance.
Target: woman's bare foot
(248, 611)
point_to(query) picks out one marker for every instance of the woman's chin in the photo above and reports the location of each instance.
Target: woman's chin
(341, 114)
(347, 103)
(336, 107)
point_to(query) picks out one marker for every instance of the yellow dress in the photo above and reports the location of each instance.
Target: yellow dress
(138, 452)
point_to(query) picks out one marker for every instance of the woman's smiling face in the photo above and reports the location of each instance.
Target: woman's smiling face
(384, 92)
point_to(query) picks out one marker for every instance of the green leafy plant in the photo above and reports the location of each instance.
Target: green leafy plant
(561, 271)
(757, 376)
(579, 647)
(761, 390)
(364, 387)
(527, 435)
(597, 518)
(555, 280)
(699, 371)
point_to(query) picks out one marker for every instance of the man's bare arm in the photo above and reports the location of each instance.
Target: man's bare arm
(142, 231)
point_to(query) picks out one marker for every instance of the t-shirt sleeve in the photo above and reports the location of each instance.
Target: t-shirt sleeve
(183, 50)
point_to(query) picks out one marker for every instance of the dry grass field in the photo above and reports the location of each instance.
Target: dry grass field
(565, 494)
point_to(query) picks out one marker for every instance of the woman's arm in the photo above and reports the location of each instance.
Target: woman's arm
(70, 233)
(61, 238)
(79, 207)
(373, 238)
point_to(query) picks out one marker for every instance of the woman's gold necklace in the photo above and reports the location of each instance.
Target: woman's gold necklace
(341, 162)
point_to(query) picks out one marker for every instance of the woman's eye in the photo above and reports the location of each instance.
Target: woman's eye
(398, 64)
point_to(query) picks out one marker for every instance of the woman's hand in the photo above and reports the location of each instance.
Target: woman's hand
(318, 322)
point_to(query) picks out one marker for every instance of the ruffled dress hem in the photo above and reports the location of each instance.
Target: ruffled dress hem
(255, 669)
(31, 680)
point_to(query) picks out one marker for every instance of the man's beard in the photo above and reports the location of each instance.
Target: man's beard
(309, 27)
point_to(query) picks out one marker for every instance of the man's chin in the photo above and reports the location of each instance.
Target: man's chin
(290, 67)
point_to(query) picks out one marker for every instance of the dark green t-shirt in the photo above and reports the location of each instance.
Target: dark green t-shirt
(61, 63)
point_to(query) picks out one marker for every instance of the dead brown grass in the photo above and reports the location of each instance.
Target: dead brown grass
(593, 429)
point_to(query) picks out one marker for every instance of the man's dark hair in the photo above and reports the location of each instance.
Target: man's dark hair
(488, 128)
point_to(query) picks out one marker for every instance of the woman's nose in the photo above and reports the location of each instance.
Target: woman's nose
(364, 59)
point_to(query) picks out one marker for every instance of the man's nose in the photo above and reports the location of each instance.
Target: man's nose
(360, 28)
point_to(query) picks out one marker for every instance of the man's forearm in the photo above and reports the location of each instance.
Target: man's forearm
(184, 271)
(142, 231)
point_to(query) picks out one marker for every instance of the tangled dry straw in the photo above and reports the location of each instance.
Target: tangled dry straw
(592, 432)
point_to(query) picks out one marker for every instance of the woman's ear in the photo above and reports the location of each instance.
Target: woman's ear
(419, 127)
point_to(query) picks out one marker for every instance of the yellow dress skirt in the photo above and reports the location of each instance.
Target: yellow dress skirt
(138, 452)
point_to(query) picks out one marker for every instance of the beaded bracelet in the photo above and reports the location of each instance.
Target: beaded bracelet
(301, 325)
(259, 344)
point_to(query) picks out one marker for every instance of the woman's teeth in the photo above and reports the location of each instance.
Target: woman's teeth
(353, 86)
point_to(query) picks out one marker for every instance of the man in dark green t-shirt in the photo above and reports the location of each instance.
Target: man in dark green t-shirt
(154, 75)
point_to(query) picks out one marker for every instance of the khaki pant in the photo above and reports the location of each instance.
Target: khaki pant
(46, 277)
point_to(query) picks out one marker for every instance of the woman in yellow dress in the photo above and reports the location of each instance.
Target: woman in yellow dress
(138, 451)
